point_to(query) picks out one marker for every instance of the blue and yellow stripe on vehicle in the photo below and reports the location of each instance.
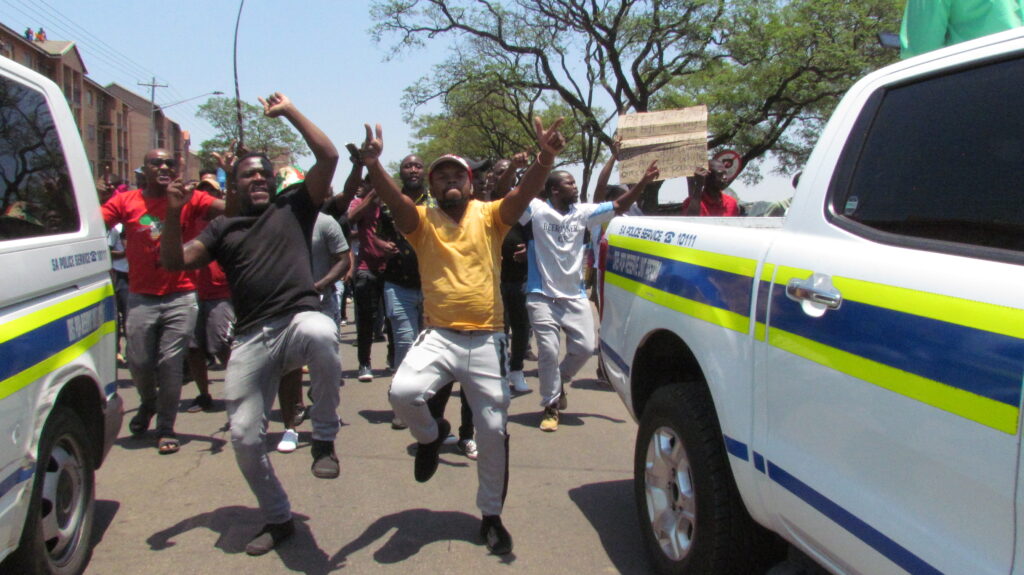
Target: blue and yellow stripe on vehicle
(47, 339)
(712, 287)
(963, 357)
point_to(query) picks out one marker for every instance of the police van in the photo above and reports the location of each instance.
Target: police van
(849, 378)
(59, 406)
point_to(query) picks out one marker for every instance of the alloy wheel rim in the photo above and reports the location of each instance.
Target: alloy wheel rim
(671, 502)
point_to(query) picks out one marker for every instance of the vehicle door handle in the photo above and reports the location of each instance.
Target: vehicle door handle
(816, 289)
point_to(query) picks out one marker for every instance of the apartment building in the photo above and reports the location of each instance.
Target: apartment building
(114, 122)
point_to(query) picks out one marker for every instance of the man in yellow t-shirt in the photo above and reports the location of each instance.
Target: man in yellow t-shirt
(458, 244)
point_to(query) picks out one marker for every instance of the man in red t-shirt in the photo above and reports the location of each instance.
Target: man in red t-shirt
(162, 304)
(215, 322)
(706, 197)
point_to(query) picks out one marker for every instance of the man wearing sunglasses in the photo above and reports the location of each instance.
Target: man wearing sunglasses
(162, 305)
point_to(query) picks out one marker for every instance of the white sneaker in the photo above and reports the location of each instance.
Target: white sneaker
(468, 446)
(452, 439)
(289, 441)
(518, 382)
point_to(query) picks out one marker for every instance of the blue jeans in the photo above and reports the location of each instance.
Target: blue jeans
(404, 308)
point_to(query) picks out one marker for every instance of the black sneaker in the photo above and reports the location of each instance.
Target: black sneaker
(427, 453)
(325, 462)
(269, 537)
(202, 402)
(301, 414)
(495, 536)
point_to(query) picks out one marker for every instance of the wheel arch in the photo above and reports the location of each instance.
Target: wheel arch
(82, 396)
(663, 358)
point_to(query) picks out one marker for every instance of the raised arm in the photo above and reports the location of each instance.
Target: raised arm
(601, 189)
(695, 185)
(318, 178)
(355, 177)
(403, 210)
(504, 183)
(551, 143)
(625, 200)
(172, 255)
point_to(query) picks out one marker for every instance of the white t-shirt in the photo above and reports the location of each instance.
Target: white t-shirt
(554, 255)
(115, 244)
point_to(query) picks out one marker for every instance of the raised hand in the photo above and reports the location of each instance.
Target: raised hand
(179, 194)
(373, 147)
(521, 160)
(550, 140)
(652, 172)
(275, 105)
(227, 159)
(353, 154)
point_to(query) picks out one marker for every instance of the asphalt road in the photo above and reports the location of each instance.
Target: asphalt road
(569, 507)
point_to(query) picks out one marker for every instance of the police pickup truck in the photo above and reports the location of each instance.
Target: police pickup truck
(59, 406)
(848, 377)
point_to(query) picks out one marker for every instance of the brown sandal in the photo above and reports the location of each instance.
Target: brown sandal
(168, 444)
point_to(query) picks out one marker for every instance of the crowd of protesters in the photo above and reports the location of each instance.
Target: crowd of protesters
(460, 263)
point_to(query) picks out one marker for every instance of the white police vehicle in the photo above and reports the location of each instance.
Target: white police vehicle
(849, 378)
(59, 406)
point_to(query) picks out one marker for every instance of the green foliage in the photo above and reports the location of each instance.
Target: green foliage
(770, 71)
(787, 66)
(272, 136)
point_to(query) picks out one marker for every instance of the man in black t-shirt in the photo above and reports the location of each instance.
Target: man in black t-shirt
(265, 253)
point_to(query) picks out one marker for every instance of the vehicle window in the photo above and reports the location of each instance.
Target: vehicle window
(36, 198)
(943, 159)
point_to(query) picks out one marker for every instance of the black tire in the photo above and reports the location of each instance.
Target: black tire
(691, 515)
(58, 529)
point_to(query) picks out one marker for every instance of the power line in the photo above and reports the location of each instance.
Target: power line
(120, 67)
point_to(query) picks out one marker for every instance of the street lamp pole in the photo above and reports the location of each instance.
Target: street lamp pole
(163, 107)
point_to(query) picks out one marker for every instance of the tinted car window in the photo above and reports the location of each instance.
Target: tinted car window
(943, 159)
(36, 198)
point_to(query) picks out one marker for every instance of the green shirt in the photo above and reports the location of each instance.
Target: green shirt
(932, 24)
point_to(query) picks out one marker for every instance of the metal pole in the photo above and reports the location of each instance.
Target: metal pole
(238, 97)
(152, 108)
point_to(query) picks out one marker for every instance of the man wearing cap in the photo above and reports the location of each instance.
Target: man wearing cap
(458, 244)
(162, 305)
(265, 253)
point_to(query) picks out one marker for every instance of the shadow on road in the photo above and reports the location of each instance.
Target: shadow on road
(377, 416)
(565, 418)
(149, 439)
(236, 525)
(102, 518)
(592, 385)
(414, 530)
(609, 508)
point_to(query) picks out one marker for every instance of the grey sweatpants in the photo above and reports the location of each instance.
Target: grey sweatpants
(548, 316)
(476, 359)
(158, 331)
(259, 357)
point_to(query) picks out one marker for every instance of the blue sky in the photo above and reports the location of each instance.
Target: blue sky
(318, 52)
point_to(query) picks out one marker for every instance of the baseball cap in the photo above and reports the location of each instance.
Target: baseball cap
(289, 176)
(450, 158)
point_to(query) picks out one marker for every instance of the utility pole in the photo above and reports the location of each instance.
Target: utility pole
(152, 108)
